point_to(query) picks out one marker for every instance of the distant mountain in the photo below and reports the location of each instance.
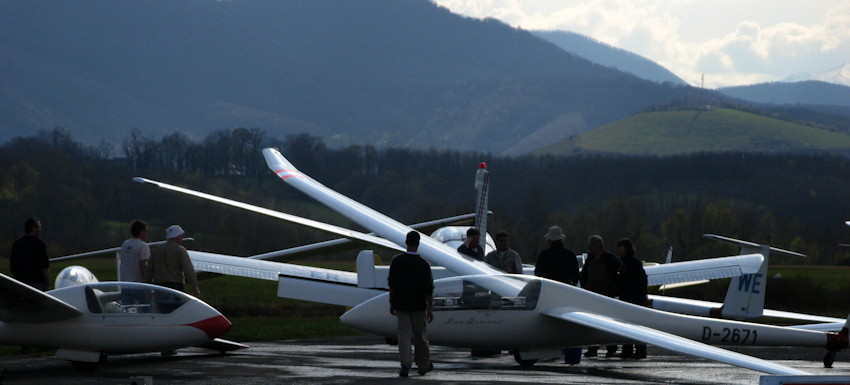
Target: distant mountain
(609, 56)
(806, 92)
(385, 72)
(694, 131)
(838, 75)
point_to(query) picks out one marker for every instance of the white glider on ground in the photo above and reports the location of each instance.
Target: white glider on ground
(483, 308)
(86, 320)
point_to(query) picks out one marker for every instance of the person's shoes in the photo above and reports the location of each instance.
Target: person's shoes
(404, 372)
(639, 356)
(611, 353)
(422, 371)
(627, 355)
(590, 352)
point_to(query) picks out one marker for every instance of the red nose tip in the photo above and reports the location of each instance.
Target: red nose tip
(214, 326)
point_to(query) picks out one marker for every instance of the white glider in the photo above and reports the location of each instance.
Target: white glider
(89, 320)
(498, 322)
(482, 308)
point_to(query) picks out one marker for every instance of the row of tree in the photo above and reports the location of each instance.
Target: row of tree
(86, 199)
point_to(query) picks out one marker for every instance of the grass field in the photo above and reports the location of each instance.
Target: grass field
(691, 131)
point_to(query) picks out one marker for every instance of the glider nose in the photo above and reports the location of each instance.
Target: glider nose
(213, 326)
(353, 318)
(372, 316)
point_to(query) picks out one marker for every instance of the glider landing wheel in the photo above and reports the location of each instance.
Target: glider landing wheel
(524, 363)
(828, 359)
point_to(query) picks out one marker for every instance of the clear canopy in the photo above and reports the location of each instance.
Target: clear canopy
(493, 292)
(127, 297)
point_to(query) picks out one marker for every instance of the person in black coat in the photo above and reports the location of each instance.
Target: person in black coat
(471, 246)
(557, 262)
(599, 275)
(632, 282)
(411, 287)
(28, 261)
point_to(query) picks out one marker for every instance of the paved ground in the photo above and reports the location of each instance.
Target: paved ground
(357, 360)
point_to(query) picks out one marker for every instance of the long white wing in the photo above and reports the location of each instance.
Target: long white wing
(22, 303)
(276, 214)
(701, 308)
(97, 253)
(674, 342)
(344, 244)
(306, 283)
(266, 270)
(385, 227)
(822, 327)
(751, 245)
(712, 268)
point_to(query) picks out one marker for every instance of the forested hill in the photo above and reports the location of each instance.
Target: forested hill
(389, 72)
(793, 201)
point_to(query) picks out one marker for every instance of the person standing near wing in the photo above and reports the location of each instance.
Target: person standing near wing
(632, 282)
(412, 302)
(28, 261)
(170, 265)
(504, 257)
(556, 261)
(599, 275)
(472, 245)
(135, 253)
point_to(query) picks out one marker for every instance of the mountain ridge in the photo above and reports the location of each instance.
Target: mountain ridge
(381, 72)
(610, 56)
(813, 92)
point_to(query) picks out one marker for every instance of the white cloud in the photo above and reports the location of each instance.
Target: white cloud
(768, 41)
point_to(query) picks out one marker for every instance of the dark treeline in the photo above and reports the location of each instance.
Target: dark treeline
(85, 198)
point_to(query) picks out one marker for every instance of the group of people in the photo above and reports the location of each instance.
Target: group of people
(411, 284)
(603, 273)
(167, 265)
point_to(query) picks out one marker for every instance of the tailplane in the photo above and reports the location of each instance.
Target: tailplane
(745, 295)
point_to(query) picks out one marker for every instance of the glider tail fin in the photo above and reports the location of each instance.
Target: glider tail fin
(745, 295)
(482, 186)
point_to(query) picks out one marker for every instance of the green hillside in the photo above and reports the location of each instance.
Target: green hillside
(692, 131)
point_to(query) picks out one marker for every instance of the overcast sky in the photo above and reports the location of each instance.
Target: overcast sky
(732, 42)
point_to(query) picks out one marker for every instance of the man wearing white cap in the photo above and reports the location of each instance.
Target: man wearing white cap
(169, 264)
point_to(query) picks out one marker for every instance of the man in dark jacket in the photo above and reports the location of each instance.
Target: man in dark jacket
(599, 275)
(412, 302)
(556, 261)
(471, 246)
(632, 282)
(29, 262)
